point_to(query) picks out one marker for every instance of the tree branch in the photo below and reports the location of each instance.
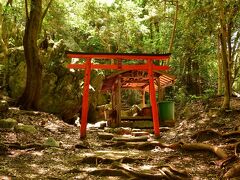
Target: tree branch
(44, 14)
(46, 10)
(26, 9)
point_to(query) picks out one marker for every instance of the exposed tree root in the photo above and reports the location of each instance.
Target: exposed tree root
(211, 134)
(186, 146)
(109, 172)
(176, 172)
(120, 169)
(234, 171)
(165, 172)
(206, 135)
(200, 146)
(237, 149)
(224, 162)
(101, 160)
(233, 134)
(101, 172)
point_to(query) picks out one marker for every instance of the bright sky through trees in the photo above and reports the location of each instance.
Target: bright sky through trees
(108, 2)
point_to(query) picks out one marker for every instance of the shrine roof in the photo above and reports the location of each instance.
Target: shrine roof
(134, 79)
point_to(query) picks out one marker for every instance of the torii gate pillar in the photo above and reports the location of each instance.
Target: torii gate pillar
(153, 99)
(84, 115)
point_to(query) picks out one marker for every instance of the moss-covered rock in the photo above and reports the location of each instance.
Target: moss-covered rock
(8, 123)
(51, 142)
(25, 128)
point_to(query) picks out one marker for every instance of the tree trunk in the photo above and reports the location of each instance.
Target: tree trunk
(220, 73)
(236, 60)
(226, 55)
(226, 101)
(4, 52)
(174, 28)
(196, 80)
(31, 94)
(229, 57)
(188, 75)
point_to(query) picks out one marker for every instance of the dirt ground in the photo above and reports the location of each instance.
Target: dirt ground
(175, 155)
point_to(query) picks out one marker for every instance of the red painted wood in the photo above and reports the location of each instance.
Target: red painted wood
(85, 98)
(118, 56)
(150, 67)
(142, 67)
(76, 66)
(153, 99)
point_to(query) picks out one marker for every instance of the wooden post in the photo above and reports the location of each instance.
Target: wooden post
(153, 99)
(119, 102)
(143, 97)
(160, 90)
(87, 77)
(112, 118)
(118, 95)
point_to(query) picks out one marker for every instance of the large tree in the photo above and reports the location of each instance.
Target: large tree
(227, 15)
(31, 94)
(34, 19)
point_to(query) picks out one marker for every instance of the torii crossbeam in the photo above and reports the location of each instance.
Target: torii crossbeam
(88, 65)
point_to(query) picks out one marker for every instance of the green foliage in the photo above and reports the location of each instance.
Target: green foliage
(13, 24)
(180, 95)
(209, 93)
(136, 26)
(194, 59)
(131, 97)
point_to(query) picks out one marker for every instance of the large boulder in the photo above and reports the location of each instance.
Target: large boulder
(17, 80)
(17, 73)
(61, 88)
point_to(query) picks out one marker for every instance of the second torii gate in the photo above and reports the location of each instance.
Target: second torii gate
(88, 65)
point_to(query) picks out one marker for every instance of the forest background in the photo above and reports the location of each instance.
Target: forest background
(202, 35)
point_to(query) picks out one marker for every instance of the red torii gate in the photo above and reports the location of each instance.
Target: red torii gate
(88, 65)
